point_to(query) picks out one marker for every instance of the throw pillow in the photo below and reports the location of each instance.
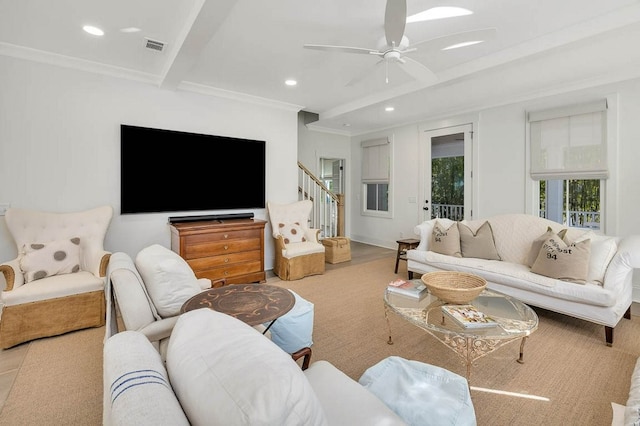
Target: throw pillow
(603, 249)
(536, 245)
(41, 260)
(445, 240)
(137, 377)
(480, 245)
(225, 372)
(563, 262)
(292, 232)
(169, 279)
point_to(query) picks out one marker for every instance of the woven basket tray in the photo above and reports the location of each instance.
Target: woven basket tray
(454, 287)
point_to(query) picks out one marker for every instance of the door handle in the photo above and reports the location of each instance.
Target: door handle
(425, 208)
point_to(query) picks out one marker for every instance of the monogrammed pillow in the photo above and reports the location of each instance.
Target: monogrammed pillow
(537, 244)
(291, 232)
(480, 245)
(563, 262)
(445, 240)
(41, 260)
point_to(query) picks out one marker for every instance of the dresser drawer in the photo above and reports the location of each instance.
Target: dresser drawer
(204, 263)
(218, 248)
(223, 235)
(230, 271)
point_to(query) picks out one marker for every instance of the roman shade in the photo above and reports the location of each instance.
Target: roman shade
(569, 142)
(376, 155)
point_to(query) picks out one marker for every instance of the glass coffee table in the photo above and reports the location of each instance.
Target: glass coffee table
(515, 321)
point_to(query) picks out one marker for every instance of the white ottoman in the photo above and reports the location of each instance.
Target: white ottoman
(422, 394)
(294, 330)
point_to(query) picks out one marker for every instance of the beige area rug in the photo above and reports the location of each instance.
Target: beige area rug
(566, 360)
(567, 363)
(59, 382)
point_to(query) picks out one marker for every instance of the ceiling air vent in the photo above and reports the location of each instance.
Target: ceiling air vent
(154, 44)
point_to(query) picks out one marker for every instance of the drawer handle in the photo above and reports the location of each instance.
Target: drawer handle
(226, 272)
(226, 247)
(226, 236)
(226, 260)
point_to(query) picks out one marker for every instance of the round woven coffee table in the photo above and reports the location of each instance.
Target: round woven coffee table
(251, 303)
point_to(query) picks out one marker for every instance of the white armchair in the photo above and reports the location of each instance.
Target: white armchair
(56, 284)
(298, 250)
(146, 294)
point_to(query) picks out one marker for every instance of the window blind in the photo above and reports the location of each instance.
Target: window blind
(376, 155)
(569, 142)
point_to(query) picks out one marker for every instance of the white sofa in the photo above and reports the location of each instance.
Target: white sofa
(604, 299)
(219, 370)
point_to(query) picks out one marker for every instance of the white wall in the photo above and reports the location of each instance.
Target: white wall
(60, 145)
(500, 164)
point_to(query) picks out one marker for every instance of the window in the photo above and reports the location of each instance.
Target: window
(574, 203)
(568, 151)
(376, 172)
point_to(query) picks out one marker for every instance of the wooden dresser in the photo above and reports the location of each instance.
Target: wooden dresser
(230, 249)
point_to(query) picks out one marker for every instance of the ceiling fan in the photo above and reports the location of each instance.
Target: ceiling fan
(395, 45)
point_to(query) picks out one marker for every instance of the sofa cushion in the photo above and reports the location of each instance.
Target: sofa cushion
(136, 383)
(479, 244)
(169, 279)
(517, 276)
(536, 245)
(514, 234)
(445, 239)
(603, 249)
(40, 260)
(225, 372)
(564, 262)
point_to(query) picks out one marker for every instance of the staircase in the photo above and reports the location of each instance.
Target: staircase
(328, 208)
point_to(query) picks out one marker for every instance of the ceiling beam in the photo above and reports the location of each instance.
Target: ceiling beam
(204, 21)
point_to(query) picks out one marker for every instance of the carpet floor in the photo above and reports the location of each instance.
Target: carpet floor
(570, 377)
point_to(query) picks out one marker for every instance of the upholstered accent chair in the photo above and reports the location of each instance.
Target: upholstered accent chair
(298, 250)
(56, 284)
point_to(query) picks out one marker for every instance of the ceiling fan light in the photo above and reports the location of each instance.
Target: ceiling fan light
(290, 82)
(463, 44)
(438, 13)
(389, 108)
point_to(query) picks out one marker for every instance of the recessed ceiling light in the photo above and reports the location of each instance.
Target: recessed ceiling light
(463, 44)
(130, 30)
(290, 82)
(346, 124)
(438, 13)
(93, 30)
(389, 109)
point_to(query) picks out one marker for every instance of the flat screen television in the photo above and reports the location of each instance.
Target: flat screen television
(172, 171)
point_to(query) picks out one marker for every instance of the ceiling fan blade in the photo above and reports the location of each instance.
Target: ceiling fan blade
(395, 19)
(344, 49)
(357, 79)
(416, 70)
(441, 42)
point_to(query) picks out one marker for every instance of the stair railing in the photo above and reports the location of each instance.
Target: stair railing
(328, 208)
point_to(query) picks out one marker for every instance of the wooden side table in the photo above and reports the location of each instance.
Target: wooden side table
(403, 246)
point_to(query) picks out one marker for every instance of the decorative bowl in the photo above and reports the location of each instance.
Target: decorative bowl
(454, 287)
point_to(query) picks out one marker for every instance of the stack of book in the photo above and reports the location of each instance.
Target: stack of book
(468, 316)
(413, 288)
